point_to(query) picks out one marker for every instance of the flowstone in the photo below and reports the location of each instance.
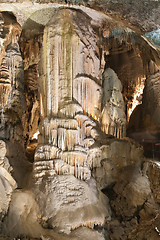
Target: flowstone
(61, 172)
(77, 128)
(7, 183)
(67, 85)
(113, 113)
(12, 101)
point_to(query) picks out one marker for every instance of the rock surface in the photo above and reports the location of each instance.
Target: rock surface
(153, 173)
(7, 183)
(113, 114)
(70, 78)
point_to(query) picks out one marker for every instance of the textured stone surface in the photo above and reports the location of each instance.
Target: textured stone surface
(7, 183)
(144, 123)
(113, 114)
(12, 100)
(22, 216)
(24, 219)
(131, 195)
(68, 85)
(140, 15)
(108, 161)
(153, 173)
(76, 203)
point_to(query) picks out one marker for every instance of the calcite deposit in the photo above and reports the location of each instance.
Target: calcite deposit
(7, 183)
(79, 120)
(113, 113)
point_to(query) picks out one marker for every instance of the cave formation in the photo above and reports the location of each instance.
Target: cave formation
(79, 120)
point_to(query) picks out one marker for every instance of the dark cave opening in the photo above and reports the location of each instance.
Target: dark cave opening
(133, 65)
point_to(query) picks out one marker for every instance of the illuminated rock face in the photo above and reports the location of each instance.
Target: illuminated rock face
(67, 132)
(63, 93)
(69, 68)
(113, 113)
(71, 97)
(82, 150)
(7, 183)
(71, 94)
(5, 82)
(11, 61)
(12, 100)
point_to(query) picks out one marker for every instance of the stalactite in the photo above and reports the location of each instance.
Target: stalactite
(73, 97)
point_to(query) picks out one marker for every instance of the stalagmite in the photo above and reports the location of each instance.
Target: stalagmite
(68, 84)
(113, 114)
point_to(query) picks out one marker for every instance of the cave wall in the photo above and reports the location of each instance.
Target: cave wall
(64, 115)
(12, 74)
